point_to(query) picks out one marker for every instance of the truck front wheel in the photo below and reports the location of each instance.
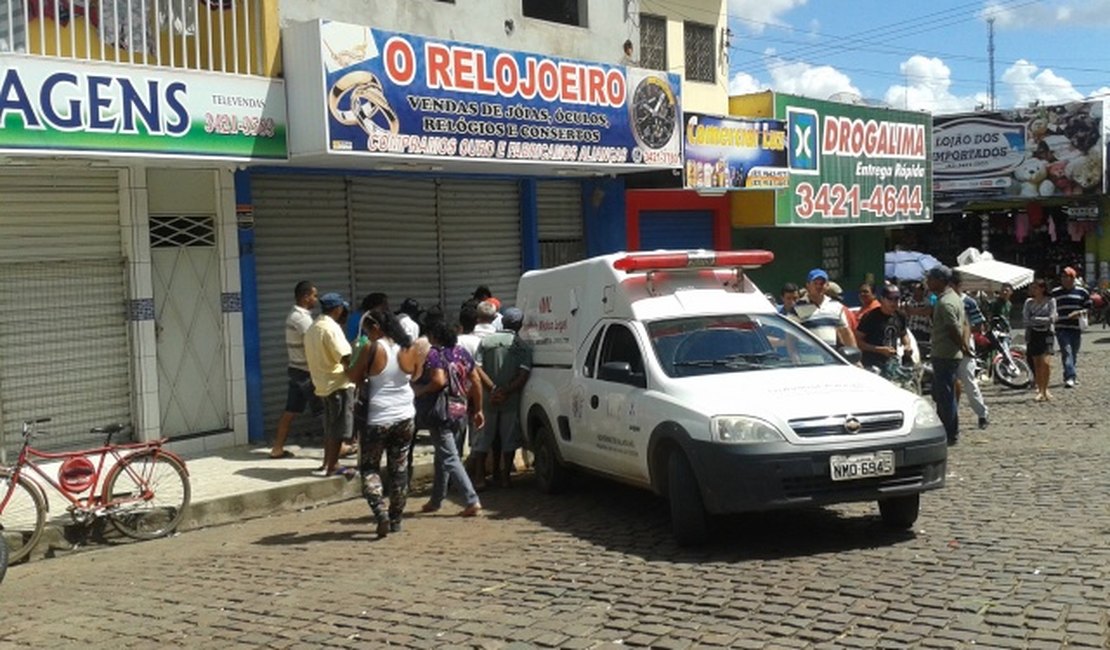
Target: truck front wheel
(688, 518)
(551, 476)
(899, 513)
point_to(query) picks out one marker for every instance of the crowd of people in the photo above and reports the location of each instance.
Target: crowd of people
(375, 376)
(938, 320)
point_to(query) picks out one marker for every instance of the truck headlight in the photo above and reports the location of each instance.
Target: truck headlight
(741, 429)
(925, 415)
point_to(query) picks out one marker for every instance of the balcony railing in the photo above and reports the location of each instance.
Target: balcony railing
(208, 35)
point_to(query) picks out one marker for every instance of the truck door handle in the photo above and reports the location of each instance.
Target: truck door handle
(594, 401)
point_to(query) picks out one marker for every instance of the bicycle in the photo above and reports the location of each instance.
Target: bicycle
(143, 495)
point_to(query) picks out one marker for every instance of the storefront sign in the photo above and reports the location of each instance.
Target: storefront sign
(1020, 154)
(735, 153)
(853, 165)
(394, 94)
(48, 107)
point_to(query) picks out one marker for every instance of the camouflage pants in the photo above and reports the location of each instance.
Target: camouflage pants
(394, 440)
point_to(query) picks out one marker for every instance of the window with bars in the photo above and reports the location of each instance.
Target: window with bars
(832, 255)
(701, 53)
(653, 42)
(181, 232)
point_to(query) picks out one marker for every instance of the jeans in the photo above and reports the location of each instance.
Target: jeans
(944, 395)
(448, 466)
(1068, 339)
(966, 375)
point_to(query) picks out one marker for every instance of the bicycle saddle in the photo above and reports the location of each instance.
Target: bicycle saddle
(110, 428)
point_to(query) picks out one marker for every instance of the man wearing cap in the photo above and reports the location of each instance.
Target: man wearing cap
(949, 345)
(408, 315)
(881, 330)
(969, 365)
(504, 364)
(821, 315)
(329, 354)
(1072, 302)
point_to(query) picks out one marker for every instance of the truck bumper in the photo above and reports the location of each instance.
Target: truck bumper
(747, 478)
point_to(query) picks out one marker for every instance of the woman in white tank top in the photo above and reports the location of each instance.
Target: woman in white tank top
(386, 363)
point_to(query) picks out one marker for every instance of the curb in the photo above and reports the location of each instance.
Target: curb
(62, 537)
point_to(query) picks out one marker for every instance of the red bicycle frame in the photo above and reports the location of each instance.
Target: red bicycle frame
(93, 500)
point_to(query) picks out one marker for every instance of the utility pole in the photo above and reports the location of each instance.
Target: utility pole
(990, 54)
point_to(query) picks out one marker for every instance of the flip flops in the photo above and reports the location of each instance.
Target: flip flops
(284, 454)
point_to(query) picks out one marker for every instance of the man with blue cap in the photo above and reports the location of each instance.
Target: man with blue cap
(822, 315)
(329, 355)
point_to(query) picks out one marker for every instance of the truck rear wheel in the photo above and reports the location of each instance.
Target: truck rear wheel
(688, 518)
(551, 476)
(900, 513)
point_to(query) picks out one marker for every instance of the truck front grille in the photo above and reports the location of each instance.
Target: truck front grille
(848, 424)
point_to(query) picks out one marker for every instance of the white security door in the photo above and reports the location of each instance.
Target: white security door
(192, 374)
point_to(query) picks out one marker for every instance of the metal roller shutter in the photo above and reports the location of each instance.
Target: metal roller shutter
(560, 222)
(480, 222)
(64, 348)
(394, 225)
(300, 234)
(676, 230)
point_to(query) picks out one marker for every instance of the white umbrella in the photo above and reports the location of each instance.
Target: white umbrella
(989, 275)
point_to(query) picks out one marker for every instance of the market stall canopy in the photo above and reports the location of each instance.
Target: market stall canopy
(989, 275)
(908, 265)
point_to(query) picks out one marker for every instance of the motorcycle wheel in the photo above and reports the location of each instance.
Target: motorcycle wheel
(1020, 376)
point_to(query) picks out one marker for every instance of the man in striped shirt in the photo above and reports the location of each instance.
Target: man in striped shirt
(1072, 301)
(822, 315)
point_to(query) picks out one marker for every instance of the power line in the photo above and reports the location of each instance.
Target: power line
(863, 45)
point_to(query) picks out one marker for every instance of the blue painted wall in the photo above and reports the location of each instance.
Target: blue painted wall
(603, 212)
(252, 344)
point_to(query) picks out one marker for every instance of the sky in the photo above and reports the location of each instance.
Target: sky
(929, 56)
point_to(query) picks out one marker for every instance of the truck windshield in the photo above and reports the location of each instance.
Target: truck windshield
(703, 345)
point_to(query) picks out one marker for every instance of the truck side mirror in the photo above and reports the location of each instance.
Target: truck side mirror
(620, 372)
(851, 355)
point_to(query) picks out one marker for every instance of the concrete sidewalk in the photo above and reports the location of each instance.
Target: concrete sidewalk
(227, 486)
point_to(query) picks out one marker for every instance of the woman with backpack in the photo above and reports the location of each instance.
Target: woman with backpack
(455, 396)
(387, 362)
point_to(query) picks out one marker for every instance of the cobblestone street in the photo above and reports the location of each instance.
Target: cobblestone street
(1013, 553)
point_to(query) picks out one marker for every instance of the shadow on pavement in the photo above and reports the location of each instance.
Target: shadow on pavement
(295, 539)
(636, 522)
(274, 474)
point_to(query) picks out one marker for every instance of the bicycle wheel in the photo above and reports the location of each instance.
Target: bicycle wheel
(23, 516)
(146, 495)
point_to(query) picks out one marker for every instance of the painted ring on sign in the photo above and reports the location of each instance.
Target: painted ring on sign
(345, 85)
(373, 111)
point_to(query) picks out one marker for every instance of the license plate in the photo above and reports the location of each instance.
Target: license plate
(847, 468)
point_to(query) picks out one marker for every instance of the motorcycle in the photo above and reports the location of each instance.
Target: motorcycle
(999, 360)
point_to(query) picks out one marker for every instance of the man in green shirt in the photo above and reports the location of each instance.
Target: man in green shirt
(1001, 306)
(950, 343)
(504, 363)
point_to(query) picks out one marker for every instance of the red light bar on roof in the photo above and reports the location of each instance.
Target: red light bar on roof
(748, 259)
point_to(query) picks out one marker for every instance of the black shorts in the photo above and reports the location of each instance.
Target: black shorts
(1038, 342)
(301, 393)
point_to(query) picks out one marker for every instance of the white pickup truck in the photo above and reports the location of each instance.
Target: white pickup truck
(670, 370)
